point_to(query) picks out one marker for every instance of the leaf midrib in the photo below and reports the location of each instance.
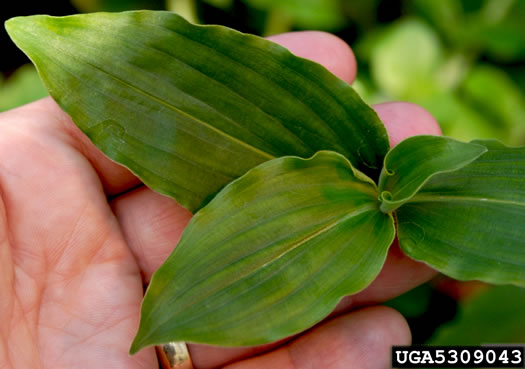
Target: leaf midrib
(361, 210)
(174, 108)
(358, 211)
(182, 112)
(312, 277)
(318, 117)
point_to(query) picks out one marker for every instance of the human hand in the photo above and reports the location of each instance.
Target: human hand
(80, 236)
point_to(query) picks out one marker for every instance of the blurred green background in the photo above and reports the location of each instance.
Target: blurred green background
(463, 60)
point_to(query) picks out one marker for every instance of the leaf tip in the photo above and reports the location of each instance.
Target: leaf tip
(24, 30)
(135, 347)
(137, 344)
(13, 25)
(477, 148)
(142, 337)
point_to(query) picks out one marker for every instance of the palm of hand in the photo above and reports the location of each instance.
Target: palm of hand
(71, 287)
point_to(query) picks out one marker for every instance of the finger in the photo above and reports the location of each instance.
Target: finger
(76, 285)
(361, 339)
(403, 120)
(152, 225)
(324, 48)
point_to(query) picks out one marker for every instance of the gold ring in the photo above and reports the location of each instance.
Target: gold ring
(174, 355)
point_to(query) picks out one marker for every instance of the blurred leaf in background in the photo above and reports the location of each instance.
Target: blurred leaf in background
(496, 315)
(223, 4)
(408, 62)
(460, 120)
(405, 61)
(314, 14)
(186, 8)
(21, 88)
(493, 27)
(493, 93)
(444, 56)
(425, 308)
(87, 6)
(284, 15)
(482, 314)
(413, 303)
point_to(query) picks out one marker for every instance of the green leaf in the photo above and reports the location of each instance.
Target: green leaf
(469, 224)
(269, 256)
(401, 72)
(496, 315)
(498, 28)
(445, 15)
(308, 14)
(222, 4)
(190, 108)
(414, 303)
(460, 120)
(116, 5)
(507, 111)
(417, 159)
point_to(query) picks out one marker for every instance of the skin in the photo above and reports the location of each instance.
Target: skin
(80, 237)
